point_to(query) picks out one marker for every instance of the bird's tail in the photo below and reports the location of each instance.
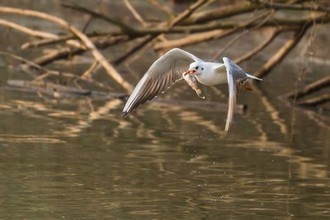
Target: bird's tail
(245, 84)
(253, 77)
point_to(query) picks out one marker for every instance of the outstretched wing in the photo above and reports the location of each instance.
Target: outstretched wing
(235, 76)
(164, 72)
(234, 73)
(232, 98)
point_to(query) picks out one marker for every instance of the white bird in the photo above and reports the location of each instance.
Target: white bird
(168, 69)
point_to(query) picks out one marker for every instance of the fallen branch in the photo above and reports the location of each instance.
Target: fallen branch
(193, 39)
(90, 70)
(61, 91)
(134, 12)
(161, 7)
(282, 52)
(198, 23)
(68, 52)
(168, 27)
(309, 7)
(310, 88)
(28, 31)
(21, 59)
(48, 72)
(124, 27)
(206, 36)
(49, 88)
(245, 32)
(220, 13)
(315, 101)
(112, 72)
(272, 35)
(44, 42)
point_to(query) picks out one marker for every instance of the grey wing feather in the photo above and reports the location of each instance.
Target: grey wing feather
(232, 98)
(164, 72)
(235, 75)
(234, 72)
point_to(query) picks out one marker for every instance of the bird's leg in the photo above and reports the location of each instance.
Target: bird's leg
(243, 84)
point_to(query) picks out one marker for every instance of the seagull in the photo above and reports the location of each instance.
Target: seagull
(169, 68)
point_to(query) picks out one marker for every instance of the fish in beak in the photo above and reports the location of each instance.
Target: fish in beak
(191, 80)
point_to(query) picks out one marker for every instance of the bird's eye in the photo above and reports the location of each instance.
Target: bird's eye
(196, 67)
(202, 68)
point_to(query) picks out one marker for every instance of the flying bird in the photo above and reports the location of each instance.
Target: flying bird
(170, 68)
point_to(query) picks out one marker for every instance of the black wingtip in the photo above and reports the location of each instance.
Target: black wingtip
(124, 114)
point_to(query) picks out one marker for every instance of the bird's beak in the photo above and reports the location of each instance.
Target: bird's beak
(191, 71)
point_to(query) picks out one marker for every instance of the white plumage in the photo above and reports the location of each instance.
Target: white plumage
(168, 69)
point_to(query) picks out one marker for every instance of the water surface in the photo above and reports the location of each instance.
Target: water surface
(60, 159)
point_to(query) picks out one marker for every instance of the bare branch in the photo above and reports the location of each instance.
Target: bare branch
(134, 12)
(175, 21)
(315, 101)
(161, 7)
(272, 35)
(193, 39)
(210, 35)
(49, 72)
(28, 31)
(124, 27)
(310, 88)
(21, 59)
(112, 72)
(90, 70)
(309, 7)
(281, 53)
(43, 42)
(220, 13)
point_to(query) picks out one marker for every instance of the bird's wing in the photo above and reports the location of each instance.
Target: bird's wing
(164, 72)
(234, 74)
(232, 97)
(221, 68)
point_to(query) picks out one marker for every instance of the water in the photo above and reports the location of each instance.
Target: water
(58, 159)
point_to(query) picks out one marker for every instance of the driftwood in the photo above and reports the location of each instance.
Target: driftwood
(61, 91)
(202, 21)
(301, 96)
(49, 88)
(315, 101)
(57, 91)
(87, 42)
(310, 88)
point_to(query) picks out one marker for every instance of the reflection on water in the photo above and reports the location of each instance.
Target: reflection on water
(78, 159)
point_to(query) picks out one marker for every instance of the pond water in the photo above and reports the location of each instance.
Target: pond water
(61, 159)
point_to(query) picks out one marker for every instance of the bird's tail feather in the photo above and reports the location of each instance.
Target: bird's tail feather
(253, 77)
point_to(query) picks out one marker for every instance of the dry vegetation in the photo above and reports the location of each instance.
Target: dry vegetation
(201, 21)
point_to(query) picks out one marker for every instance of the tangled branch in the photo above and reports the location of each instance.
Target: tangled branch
(202, 21)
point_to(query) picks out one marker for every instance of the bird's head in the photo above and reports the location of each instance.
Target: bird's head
(196, 68)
